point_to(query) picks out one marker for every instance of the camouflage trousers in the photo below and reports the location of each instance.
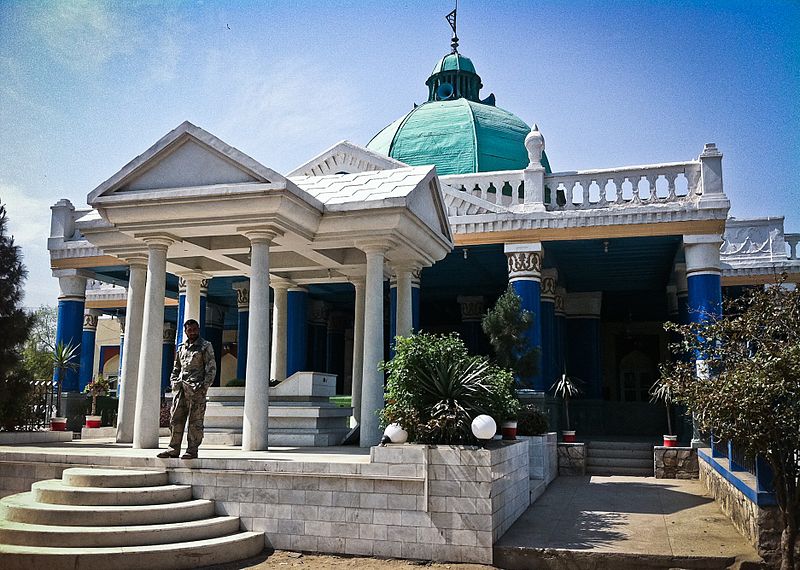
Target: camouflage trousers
(188, 401)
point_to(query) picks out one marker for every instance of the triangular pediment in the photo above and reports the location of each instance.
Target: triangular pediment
(427, 204)
(187, 157)
(346, 158)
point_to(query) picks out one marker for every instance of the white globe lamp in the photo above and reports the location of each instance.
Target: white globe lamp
(483, 428)
(394, 433)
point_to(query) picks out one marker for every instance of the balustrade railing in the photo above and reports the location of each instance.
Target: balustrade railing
(732, 459)
(587, 189)
(634, 185)
(791, 241)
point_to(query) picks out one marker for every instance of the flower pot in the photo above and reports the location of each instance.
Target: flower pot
(92, 421)
(670, 441)
(509, 430)
(568, 436)
(58, 424)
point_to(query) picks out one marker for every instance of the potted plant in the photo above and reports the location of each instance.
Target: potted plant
(97, 387)
(565, 388)
(661, 391)
(64, 359)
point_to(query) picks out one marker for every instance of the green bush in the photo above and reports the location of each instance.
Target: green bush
(436, 389)
(531, 421)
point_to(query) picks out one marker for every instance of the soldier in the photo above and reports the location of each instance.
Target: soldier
(192, 374)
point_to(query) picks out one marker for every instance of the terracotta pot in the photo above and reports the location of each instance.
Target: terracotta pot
(568, 436)
(509, 430)
(670, 441)
(58, 424)
(92, 421)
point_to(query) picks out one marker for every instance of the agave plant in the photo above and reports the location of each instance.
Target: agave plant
(97, 387)
(65, 358)
(566, 387)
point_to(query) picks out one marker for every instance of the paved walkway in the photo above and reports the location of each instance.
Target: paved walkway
(623, 522)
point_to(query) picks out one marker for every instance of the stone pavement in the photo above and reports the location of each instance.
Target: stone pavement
(620, 522)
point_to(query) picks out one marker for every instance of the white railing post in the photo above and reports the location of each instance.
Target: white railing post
(711, 171)
(534, 174)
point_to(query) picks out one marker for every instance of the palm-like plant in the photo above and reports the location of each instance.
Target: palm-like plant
(662, 392)
(65, 356)
(97, 387)
(566, 387)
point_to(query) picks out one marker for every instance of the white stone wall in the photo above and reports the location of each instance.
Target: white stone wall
(446, 503)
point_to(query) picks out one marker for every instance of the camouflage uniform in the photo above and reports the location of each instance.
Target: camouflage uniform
(192, 374)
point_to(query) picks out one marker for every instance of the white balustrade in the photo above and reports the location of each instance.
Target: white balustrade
(585, 189)
(792, 241)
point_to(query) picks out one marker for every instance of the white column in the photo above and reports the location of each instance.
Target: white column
(404, 310)
(256, 392)
(192, 307)
(278, 369)
(148, 389)
(358, 348)
(372, 377)
(131, 349)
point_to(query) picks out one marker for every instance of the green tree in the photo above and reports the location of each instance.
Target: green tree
(38, 349)
(15, 324)
(748, 388)
(506, 325)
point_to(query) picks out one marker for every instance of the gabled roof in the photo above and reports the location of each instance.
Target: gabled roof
(345, 157)
(414, 187)
(187, 156)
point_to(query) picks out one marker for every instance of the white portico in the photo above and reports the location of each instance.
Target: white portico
(193, 206)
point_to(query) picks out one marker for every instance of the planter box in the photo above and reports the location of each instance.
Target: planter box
(675, 462)
(542, 456)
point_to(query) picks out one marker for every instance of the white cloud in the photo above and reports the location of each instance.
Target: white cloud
(29, 223)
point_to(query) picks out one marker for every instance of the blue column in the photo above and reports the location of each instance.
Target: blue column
(561, 331)
(583, 336)
(471, 315)
(87, 348)
(317, 319)
(181, 311)
(415, 291)
(524, 272)
(296, 331)
(215, 324)
(392, 314)
(682, 293)
(69, 328)
(243, 304)
(167, 355)
(337, 323)
(548, 309)
(203, 306)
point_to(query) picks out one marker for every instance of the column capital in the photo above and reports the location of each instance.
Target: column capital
(584, 305)
(560, 307)
(681, 285)
(90, 317)
(549, 281)
(317, 312)
(135, 259)
(472, 308)
(524, 261)
(169, 333)
(375, 245)
(281, 285)
(158, 240)
(260, 234)
(702, 254)
(242, 289)
(72, 284)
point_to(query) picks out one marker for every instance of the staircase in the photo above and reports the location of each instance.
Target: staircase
(619, 458)
(113, 518)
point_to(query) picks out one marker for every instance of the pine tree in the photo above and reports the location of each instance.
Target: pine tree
(506, 325)
(15, 325)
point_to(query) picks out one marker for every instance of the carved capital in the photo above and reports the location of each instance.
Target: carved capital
(318, 312)
(169, 333)
(89, 321)
(548, 287)
(524, 265)
(472, 308)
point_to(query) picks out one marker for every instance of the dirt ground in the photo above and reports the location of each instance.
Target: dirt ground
(286, 559)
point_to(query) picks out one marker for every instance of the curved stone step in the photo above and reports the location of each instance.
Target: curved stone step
(25, 534)
(163, 556)
(58, 493)
(24, 508)
(629, 471)
(96, 477)
(620, 462)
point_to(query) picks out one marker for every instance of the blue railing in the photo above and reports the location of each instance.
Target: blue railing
(752, 476)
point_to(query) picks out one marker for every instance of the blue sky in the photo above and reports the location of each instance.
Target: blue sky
(85, 86)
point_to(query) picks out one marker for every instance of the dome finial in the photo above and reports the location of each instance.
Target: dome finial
(451, 19)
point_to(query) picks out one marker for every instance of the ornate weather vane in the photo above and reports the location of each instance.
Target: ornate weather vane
(451, 19)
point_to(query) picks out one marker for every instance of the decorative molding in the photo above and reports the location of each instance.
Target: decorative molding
(524, 265)
(90, 321)
(472, 308)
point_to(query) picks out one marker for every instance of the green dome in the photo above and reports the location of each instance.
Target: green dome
(455, 129)
(458, 136)
(453, 62)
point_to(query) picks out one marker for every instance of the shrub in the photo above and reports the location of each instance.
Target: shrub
(436, 389)
(532, 421)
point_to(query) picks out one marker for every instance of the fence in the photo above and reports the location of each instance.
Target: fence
(751, 475)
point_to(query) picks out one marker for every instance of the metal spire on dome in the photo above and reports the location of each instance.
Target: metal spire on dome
(451, 19)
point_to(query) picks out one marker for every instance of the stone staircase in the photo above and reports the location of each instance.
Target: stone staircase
(114, 518)
(619, 458)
